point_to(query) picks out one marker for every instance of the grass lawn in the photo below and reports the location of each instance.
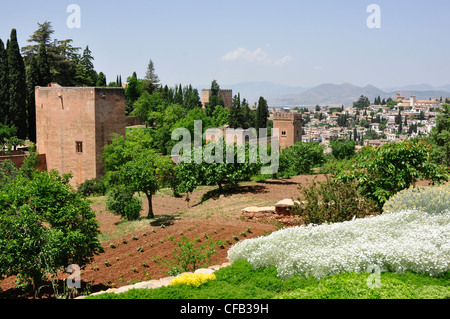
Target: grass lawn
(239, 281)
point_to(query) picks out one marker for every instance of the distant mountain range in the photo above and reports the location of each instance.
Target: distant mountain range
(328, 94)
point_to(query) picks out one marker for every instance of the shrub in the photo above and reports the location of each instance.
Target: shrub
(397, 242)
(44, 226)
(95, 186)
(187, 256)
(332, 201)
(300, 158)
(383, 171)
(194, 280)
(342, 149)
(428, 199)
(121, 201)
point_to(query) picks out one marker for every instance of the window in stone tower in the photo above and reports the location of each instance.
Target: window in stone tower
(79, 147)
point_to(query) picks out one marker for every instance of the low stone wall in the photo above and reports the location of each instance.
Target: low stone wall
(281, 213)
(19, 159)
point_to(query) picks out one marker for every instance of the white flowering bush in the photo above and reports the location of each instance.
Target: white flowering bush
(429, 199)
(396, 242)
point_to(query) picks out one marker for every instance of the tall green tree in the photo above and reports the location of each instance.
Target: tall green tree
(262, 114)
(214, 98)
(132, 92)
(151, 79)
(43, 65)
(33, 80)
(4, 92)
(17, 87)
(235, 112)
(101, 80)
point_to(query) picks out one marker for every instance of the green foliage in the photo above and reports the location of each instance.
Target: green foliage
(17, 87)
(383, 171)
(188, 255)
(122, 201)
(392, 286)
(215, 170)
(332, 201)
(342, 149)
(362, 102)
(131, 162)
(300, 158)
(44, 227)
(440, 136)
(240, 281)
(94, 186)
(433, 200)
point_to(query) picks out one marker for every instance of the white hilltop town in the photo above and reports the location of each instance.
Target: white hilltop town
(376, 123)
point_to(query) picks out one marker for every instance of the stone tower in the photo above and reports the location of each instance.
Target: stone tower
(227, 96)
(289, 126)
(73, 124)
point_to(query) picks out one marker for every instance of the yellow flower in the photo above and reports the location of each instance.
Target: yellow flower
(194, 280)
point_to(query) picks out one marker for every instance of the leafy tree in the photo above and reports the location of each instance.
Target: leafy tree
(362, 102)
(44, 226)
(300, 158)
(221, 116)
(342, 149)
(383, 171)
(17, 87)
(131, 162)
(121, 200)
(440, 136)
(215, 170)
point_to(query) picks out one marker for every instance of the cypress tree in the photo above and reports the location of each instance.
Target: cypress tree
(17, 87)
(235, 112)
(33, 80)
(262, 114)
(43, 66)
(4, 94)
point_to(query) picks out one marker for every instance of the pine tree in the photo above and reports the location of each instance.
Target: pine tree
(90, 73)
(4, 94)
(152, 77)
(17, 87)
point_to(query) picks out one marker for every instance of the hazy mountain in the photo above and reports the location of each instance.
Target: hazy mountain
(251, 91)
(418, 87)
(328, 94)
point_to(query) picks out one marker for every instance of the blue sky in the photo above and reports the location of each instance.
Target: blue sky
(298, 43)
